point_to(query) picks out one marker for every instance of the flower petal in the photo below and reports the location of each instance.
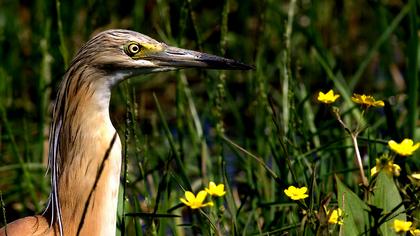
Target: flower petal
(328, 97)
(373, 171)
(416, 176)
(185, 202)
(392, 144)
(402, 226)
(207, 204)
(379, 103)
(189, 196)
(303, 190)
(405, 148)
(407, 142)
(200, 196)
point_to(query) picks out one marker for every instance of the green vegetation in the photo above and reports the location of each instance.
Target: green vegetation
(257, 132)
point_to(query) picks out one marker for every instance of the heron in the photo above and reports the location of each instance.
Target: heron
(85, 151)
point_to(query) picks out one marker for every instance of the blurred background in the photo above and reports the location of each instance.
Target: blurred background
(297, 47)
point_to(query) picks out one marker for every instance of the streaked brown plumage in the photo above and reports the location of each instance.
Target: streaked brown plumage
(84, 147)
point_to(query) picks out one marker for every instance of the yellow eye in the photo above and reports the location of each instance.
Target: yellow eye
(132, 49)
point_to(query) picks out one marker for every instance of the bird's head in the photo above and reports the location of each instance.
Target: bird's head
(124, 53)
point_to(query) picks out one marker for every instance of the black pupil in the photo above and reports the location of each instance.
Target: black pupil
(134, 48)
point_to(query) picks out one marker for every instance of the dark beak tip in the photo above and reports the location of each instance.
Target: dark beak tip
(238, 65)
(243, 66)
(235, 65)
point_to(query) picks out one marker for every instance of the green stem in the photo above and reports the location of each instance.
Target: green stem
(63, 48)
(26, 174)
(258, 159)
(175, 150)
(3, 209)
(359, 159)
(372, 52)
(413, 81)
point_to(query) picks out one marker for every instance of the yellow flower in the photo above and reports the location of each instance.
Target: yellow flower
(195, 202)
(373, 171)
(387, 165)
(328, 97)
(218, 190)
(415, 232)
(401, 226)
(405, 148)
(366, 100)
(416, 176)
(336, 216)
(296, 193)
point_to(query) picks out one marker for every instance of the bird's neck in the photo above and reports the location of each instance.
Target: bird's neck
(88, 159)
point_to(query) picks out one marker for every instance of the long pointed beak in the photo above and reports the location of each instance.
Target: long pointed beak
(182, 58)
